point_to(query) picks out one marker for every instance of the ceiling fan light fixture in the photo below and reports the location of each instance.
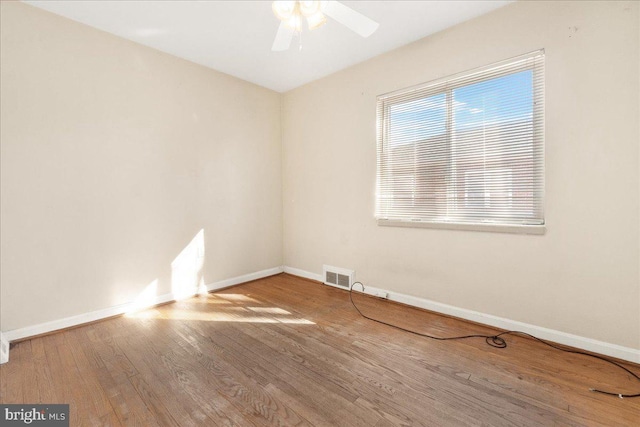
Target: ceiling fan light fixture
(284, 10)
(316, 20)
(294, 22)
(309, 7)
(292, 13)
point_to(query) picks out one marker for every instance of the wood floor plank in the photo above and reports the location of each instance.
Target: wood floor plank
(290, 377)
(359, 369)
(83, 408)
(117, 392)
(284, 351)
(290, 380)
(260, 402)
(45, 385)
(12, 374)
(540, 365)
(91, 384)
(158, 378)
(162, 411)
(244, 391)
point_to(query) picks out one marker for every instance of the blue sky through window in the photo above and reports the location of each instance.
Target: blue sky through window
(417, 120)
(495, 101)
(491, 102)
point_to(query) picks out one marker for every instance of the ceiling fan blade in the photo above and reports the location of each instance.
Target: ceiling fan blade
(351, 19)
(283, 38)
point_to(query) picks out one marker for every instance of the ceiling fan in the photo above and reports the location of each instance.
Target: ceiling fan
(292, 14)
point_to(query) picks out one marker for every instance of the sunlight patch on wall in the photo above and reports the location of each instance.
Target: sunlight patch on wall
(202, 288)
(146, 298)
(186, 269)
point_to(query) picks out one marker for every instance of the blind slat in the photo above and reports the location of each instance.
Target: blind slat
(465, 149)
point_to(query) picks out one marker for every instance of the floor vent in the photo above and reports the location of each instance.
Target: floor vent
(338, 277)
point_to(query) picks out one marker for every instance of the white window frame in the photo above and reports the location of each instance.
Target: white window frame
(447, 85)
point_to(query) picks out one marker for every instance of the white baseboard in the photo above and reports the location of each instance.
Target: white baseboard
(245, 278)
(4, 349)
(589, 344)
(79, 319)
(302, 273)
(613, 350)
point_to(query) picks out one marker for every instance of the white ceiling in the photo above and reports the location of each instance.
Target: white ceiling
(235, 37)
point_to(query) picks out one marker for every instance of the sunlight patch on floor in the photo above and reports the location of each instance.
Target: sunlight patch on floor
(269, 310)
(233, 314)
(236, 297)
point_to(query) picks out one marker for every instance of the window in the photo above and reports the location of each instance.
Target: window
(466, 151)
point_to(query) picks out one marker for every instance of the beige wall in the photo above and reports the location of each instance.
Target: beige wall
(114, 156)
(581, 277)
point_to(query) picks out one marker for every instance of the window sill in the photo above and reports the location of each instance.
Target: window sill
(495, 228)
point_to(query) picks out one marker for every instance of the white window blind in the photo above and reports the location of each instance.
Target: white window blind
(468, 149)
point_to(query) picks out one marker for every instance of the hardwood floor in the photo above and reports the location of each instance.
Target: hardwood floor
(286, 351)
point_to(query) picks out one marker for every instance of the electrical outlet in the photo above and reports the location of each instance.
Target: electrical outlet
(381, 294)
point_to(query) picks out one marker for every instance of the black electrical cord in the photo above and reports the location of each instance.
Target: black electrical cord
(498, 341)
